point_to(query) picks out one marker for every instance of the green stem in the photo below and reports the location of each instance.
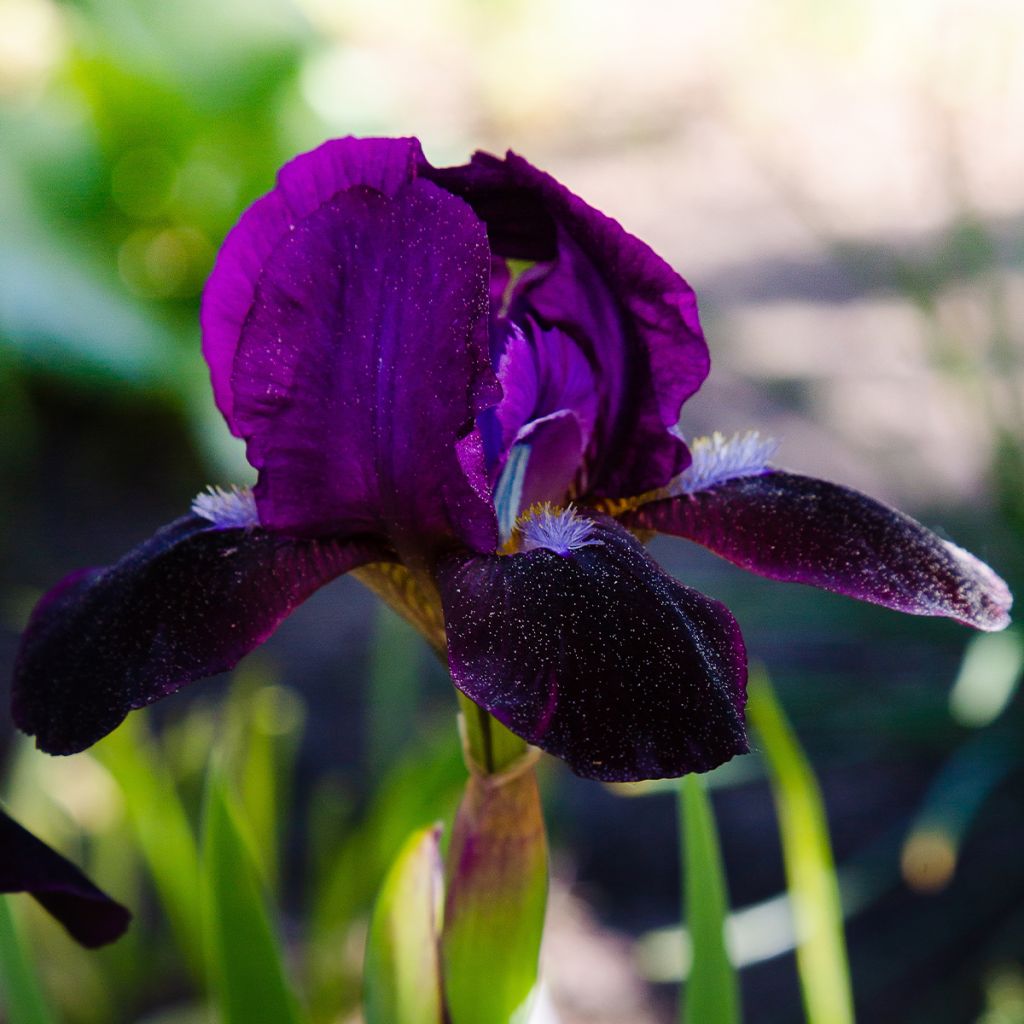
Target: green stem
(490, 746)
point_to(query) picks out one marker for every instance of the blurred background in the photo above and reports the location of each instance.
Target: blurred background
(842, 182)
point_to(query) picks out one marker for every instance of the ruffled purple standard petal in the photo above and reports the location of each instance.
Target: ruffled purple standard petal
(541, 373)
(28, 865)
(346, 326)
(186, 604)
(304, 185)
(634, 316)
(363, 363)
(798, 529)
(597, 656)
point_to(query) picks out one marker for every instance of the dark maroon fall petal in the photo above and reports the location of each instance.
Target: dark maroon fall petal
(630, 312)
(186, 604)
(598, 657)
(28, 865)
(798, 529)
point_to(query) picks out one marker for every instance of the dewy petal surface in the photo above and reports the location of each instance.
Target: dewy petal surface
(28, 865)
(186, 604)
(632, 313)
(795, 528)
(362, 365)
(598, 656)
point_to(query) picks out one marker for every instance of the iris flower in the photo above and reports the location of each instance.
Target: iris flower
(464, 385)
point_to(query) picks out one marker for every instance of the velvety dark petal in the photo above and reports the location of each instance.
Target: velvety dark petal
(362, 364)
(632, 313)
(28, 865)
(795, 528)
(304, 185)
(187, 604)
(598, 656)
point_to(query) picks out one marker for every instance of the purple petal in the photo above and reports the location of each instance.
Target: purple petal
(798, 529)
(363, 363)
(186, 604)
(635, 317)
(304, 185)
(28, 865)
(598, 657)
(542, 373)
(556, 448)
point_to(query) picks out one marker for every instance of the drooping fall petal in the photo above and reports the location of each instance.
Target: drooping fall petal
(186, 604)
(27, 864)
(597, 656)
(798, 529)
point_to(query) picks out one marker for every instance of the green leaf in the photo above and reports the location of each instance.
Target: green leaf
(161, 827)
(712, 987)
(495, 896)
(264, 723)
(810, 869)
(247, 973)
(402, 974)
(20, 994)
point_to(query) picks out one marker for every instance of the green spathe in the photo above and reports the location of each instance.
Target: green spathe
(496, 890)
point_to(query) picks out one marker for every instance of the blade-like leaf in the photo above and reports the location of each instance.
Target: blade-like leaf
(161, 827)
(712, 988)
(20, 995)
(265, 724)
(402, 975)
(247, 973)
(810, 869)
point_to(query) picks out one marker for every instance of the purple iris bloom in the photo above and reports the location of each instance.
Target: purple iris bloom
(464, 385)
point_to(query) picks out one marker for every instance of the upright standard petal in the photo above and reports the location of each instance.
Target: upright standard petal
(187, 604)
(585, 648)
(304, 185)
(634, 316)
(797, 529)
(28, 865)
(361, 367)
